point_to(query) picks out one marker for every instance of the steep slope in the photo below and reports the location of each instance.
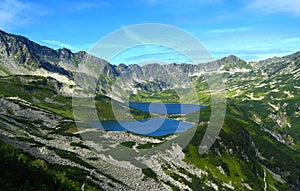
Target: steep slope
(20, 55)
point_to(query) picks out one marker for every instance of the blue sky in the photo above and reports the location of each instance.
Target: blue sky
(252, 30)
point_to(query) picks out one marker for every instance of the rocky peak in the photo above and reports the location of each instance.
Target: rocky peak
(23, 55)
(65, 53)
(293, 56)
(230, 60)
(233, 58)
(122, 67)
(229, 63)
(13, 44)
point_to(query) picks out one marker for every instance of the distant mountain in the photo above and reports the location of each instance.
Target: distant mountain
(19, 55)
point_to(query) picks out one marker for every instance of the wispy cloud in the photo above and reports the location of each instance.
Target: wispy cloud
(82, 5)
(15, 13)
(179, 7)
(163, 57)
(132, 35)
(11, 13)
(187, 2)
(228, 30)
(149, 53)
(276, 6)
(58, 44)
(254, 47)
(153, 3)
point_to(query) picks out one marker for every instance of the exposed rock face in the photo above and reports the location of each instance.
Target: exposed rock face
(22, 56)
(19, 55)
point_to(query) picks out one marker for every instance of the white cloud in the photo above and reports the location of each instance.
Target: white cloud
(81, 5)
(276, 6)
(253, 47)
(188, 2)
(179, 7)
(152, 3)
(10, 13)
(228, 30)
(15, 13)
(59, 44)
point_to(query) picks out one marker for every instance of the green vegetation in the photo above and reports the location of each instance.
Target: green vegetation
(75, 61)
(75, 144)
(236, 147)
(30, 140)
(148, 145)
(239, 65)
(66, 129)
(173, 96)
(173, 187)
(196, 183)
(166, 96)
(20, 171)
(128, 144)
(37, 90)
(43, 92)
(148, 172)
(105, 111)
(73, 157)
(5, 71)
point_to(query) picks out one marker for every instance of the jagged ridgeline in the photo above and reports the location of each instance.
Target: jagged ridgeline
(258, 147)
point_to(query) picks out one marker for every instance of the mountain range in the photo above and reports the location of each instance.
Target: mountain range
(258, 147)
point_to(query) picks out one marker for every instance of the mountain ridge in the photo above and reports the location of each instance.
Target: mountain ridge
(20, 55)
(67, 55)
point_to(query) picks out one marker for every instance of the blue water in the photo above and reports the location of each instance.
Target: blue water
(152, 127)
(165, 108)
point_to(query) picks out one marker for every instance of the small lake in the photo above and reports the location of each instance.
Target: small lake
(152, 127)
(165, 108)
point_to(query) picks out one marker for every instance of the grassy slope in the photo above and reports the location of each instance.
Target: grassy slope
(37, 90)
(20, 171)
(242, 164)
